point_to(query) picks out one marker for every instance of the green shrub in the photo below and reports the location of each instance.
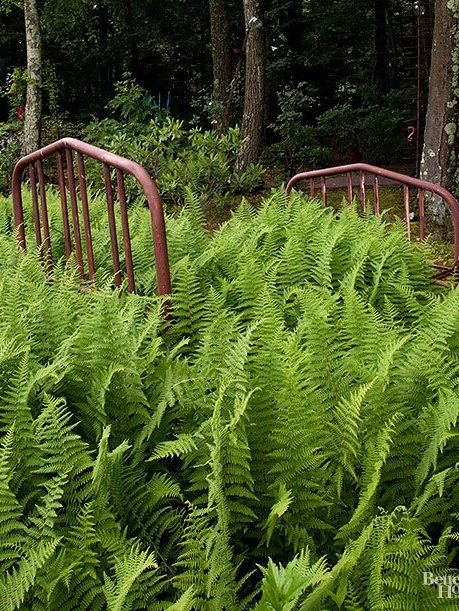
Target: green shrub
(299, 414)
(10, 151)
(368, 127)
(299, 145)
(176, 157)
(363, 127)
(133, 103)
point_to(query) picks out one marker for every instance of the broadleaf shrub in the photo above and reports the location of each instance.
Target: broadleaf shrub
(288, 441)
(177, 157)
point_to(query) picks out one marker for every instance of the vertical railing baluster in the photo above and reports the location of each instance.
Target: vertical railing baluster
(350, 194)
(36, 210)
(112, 226)
(75, 219)
(323, 188)
(44, 214)
(86, 218)
(126, 233)
(422, 218)
(312, 187)
(63, 152)
(65, 212)
(363, 197)
(406, 202)
(376, 194)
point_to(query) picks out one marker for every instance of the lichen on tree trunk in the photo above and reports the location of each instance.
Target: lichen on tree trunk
(32, 118)
(255, 84)
(440, 155)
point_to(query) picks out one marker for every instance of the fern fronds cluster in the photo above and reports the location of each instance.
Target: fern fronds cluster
(288, 441)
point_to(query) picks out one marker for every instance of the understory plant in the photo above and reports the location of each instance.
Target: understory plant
(177, 157)
(287, 441)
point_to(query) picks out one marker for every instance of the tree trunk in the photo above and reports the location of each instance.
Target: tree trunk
(439, 162)
(255, 84)
(221, 58)
(32, 118)
(381, 75)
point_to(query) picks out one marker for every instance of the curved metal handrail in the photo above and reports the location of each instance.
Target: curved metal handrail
(406, 181)
(67, 145)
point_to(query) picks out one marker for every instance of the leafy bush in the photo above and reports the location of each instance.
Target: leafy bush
(299, 414)
(298, 143)
(364, 127)
(134, 104)
(10, 150)
(176, 157)
(371, 130)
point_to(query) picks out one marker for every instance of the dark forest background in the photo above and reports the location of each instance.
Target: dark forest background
(340, 74)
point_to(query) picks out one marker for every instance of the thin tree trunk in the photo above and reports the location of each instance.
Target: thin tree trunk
(381, 75)
(253, 119)
(439, 162)
(32, 118)
(221, 58)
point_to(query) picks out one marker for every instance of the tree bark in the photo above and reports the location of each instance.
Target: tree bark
(381, 75)
(439, 162)
(221, 58)
(32, 118)
(253, 119)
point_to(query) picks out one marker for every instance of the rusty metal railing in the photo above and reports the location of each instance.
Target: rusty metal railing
(407, 183)
(63, 151)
